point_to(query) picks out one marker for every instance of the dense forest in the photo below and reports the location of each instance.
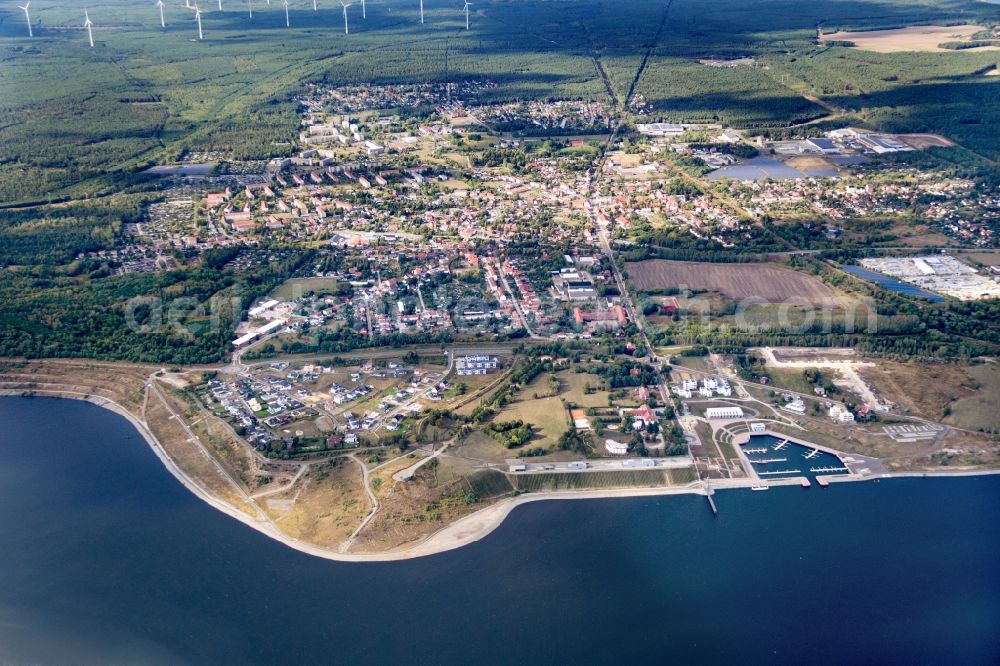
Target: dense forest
(183, 316)
(57, 234)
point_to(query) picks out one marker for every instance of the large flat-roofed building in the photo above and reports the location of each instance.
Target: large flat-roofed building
(882, 143)
(263, 331)
(724, 412)
(262, 308)
(244, 340)
(661, 129)
(476, 364)
(825, 146)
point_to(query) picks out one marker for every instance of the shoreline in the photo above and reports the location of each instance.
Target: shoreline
(462, 532)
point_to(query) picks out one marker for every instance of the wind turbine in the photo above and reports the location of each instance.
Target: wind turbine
(421, 12)
(159, 4)
(364, 13)
(220, 5)
(288, 23)
(466, 8)
(250, 5)
(88, 24)
(346, 32)
(27, 16)
(314, 6)
(197, 17)
(187, 4)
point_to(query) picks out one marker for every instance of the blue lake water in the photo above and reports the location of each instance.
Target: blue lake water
(892, 284)
(106, 558)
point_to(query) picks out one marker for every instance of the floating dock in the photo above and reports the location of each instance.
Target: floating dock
(827, 470)
(812, 454)
(769, 460)
(780, 445)
(761, 450)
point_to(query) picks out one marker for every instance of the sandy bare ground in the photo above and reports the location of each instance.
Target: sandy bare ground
(846, 367)
(914, 38)
(922, 141)
(808, 163)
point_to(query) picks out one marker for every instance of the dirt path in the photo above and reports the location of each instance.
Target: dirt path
(365, 481)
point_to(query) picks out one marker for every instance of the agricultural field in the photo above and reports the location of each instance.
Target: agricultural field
(763, 282)
(913, 38)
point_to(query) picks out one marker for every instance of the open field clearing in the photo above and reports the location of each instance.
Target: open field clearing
(986, 258)
(764, 282)
(980, 410)
(921, 141)
(547, 415)
(921, 389)
(435, 497)
(296, 287)
(810, 163)
(548, 412)
(914, 38)
(324, 507)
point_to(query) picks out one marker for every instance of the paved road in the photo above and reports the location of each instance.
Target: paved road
(517, 304)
